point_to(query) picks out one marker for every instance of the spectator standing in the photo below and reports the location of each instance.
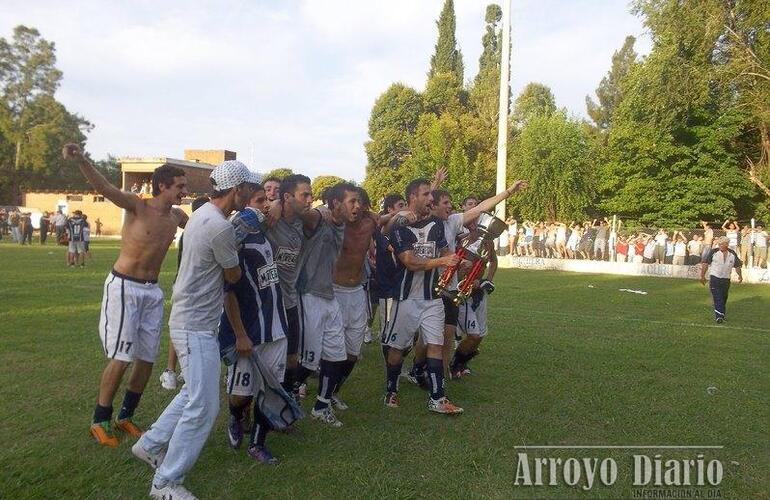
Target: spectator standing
(651, 251)
(746, 242)
(621, 249)
(600, 243)
(14, 221)
(26, 228)
(760, 246)
(708, 234)
(45, 223)
(573, 240)
(639, 248)
(695, 249)
(660, 246)
(680, 249)
(87, 236)
(513, 233)
(60, 223)
(98, 224)
(3, 223)
(720, 262)
(732, 231)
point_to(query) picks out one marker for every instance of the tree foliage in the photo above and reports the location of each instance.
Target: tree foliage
(609, 90)
(33, 124)
(279, 172)
(322, 182)
(535, 100)
(447, 57)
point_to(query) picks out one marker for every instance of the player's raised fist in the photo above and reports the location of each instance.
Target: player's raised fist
(517, 186)
(71, 151)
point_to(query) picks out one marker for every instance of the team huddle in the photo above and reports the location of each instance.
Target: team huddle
(279, 291)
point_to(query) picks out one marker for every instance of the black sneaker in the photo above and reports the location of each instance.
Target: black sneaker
(235, 432)
(720, 320)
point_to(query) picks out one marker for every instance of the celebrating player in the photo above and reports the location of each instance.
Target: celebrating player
(132, 305)
(322, 339)
(421, 250)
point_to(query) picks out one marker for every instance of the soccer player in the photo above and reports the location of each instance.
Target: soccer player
(322, 338)
(172, 444)
(255, 316)
(272, 188)
(454, 225)
(286, 237)
(472, 316)
(169, 378)
(75, 233)
(421, 250)
(132, 306)
(348, 290)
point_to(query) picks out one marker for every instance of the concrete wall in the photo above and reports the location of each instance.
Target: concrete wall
(211, 156)
(623, 268)
(91, 204)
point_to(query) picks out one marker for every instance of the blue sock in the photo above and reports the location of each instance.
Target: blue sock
(130, 402)
(393, 372)
(436, 377)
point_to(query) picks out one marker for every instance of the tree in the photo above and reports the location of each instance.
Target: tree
(393, 119)
(535, 100)
(279, 172)
(322, 182)
(33, 125)
(609, 90)
(555, 155)
(447, 58)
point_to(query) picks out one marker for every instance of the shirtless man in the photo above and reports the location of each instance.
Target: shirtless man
(132, 305)
(349, 291)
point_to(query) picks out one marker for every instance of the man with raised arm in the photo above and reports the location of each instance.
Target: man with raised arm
(132, 305)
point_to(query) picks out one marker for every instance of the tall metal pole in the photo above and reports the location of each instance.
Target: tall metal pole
(502, 114)
(502, 119)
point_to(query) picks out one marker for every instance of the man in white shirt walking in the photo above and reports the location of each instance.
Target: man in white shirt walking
(721, 261)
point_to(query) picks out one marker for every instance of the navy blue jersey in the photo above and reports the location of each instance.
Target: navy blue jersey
(75, 227)
(426, 239)
(386, 270)
(259, 295)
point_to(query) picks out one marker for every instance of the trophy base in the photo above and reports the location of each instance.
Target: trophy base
(452, 295)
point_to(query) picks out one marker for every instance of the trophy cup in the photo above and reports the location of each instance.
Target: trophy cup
(489, 228)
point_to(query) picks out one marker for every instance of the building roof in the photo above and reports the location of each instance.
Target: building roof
(150, 163)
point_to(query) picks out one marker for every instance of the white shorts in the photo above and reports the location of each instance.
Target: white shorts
(129, 326)
(77, 247)
(415, 315)
(473, 321)
(241, 373)
(321, 334)
(354, 306)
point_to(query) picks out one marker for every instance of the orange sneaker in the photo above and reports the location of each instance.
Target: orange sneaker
(127, 426)
(101, 432)
(443, 405)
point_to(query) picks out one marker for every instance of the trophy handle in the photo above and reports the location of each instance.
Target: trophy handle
(449, 271)
(465, 287)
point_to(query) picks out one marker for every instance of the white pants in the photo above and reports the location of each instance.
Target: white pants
(186, 422)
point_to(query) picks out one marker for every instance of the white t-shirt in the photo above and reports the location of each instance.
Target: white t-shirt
(649, 249)
(695, 247)
(661, 239)
(680, 249)
(721, 264)
(209, 247)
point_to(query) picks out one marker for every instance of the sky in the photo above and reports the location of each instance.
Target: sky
(291, 83)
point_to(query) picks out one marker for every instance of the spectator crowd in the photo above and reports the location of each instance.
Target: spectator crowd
(606, 241)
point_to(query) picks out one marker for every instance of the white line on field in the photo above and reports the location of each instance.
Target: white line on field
(643, 320)
(622, 447)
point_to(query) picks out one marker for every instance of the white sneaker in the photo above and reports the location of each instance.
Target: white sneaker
(368, 337)
(338, 403)
(326, 416)
(171, 492)
(168, 380)
(302, 391)
(152, 459)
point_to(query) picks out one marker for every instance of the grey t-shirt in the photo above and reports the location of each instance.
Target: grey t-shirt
(317, 260)
(209, 247)
(286, 240)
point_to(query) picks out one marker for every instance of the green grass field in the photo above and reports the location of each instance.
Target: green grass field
(565, 364)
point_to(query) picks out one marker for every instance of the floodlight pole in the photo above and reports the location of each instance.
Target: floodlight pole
(502, 119)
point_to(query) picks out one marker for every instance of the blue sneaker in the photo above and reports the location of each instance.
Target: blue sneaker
(262, 455)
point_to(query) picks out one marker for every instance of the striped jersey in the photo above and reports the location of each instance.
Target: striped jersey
(259, 295)
(386, 271)
(426, 239)
(75, 227)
